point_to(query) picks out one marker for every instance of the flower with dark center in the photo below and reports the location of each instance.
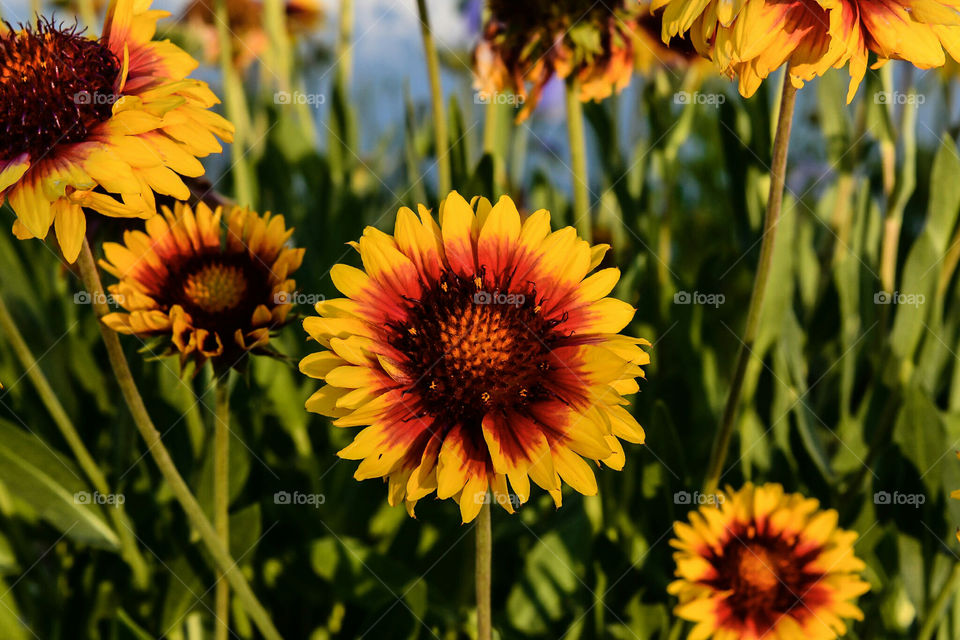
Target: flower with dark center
(750, 39)
(525, 44)
(101, 124)
(759, 563)
(214, 293)
(477, 352)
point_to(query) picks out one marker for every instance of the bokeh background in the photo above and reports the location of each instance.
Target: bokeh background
(849, 397)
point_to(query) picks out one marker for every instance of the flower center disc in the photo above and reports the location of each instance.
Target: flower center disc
(757, 570)
(215, 287)
(472, 351)
(55, 85)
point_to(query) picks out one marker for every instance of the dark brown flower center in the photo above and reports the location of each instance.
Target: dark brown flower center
(471, 351)
(55, 85)
(220, 291)
(767, 575)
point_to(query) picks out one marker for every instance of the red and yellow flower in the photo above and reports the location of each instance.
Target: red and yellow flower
(749, 39)
(528, 43)
(761, 563)
(101, 123)
(215, 293)
(476, 352)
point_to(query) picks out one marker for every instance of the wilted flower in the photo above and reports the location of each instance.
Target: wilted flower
(527, 43)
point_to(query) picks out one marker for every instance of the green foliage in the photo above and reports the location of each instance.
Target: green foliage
(845, 396)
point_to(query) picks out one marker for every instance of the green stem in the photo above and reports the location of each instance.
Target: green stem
(484, 558)
(131, 394)
(235, 104)
(436, 97)
(903, 187)
(778, 169)
(128, 543)
(578, 160)
(221, 495)
(932, 617)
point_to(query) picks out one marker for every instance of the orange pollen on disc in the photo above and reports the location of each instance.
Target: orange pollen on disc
(478, 342)
(756, 569)
(215, 287)
(473, 348)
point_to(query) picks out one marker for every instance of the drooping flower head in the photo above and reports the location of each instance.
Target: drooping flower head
(245, 19)
(214, 293)
(749, 39)
(761, 563)
(476, 352)
(527, 43)
(652, 52)
(98, 123)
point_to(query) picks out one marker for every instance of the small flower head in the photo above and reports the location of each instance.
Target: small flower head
(475, 353)
(761, 563)
(213, 293)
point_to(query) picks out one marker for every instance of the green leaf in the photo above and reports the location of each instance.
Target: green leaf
(12, 626)
(548, 580)
(50, 484)
(922, 268)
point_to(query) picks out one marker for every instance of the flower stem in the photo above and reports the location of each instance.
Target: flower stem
(932, 617)
(436, 94)
(235, 104)
(778, 169)
(131, 394)
(483, 573)
(128, 543)
(578, 160)
(221, 495)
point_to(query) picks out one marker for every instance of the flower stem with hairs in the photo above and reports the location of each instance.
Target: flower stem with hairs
(483, 573)
(131, 394)
(781, 144)
(221, 493)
